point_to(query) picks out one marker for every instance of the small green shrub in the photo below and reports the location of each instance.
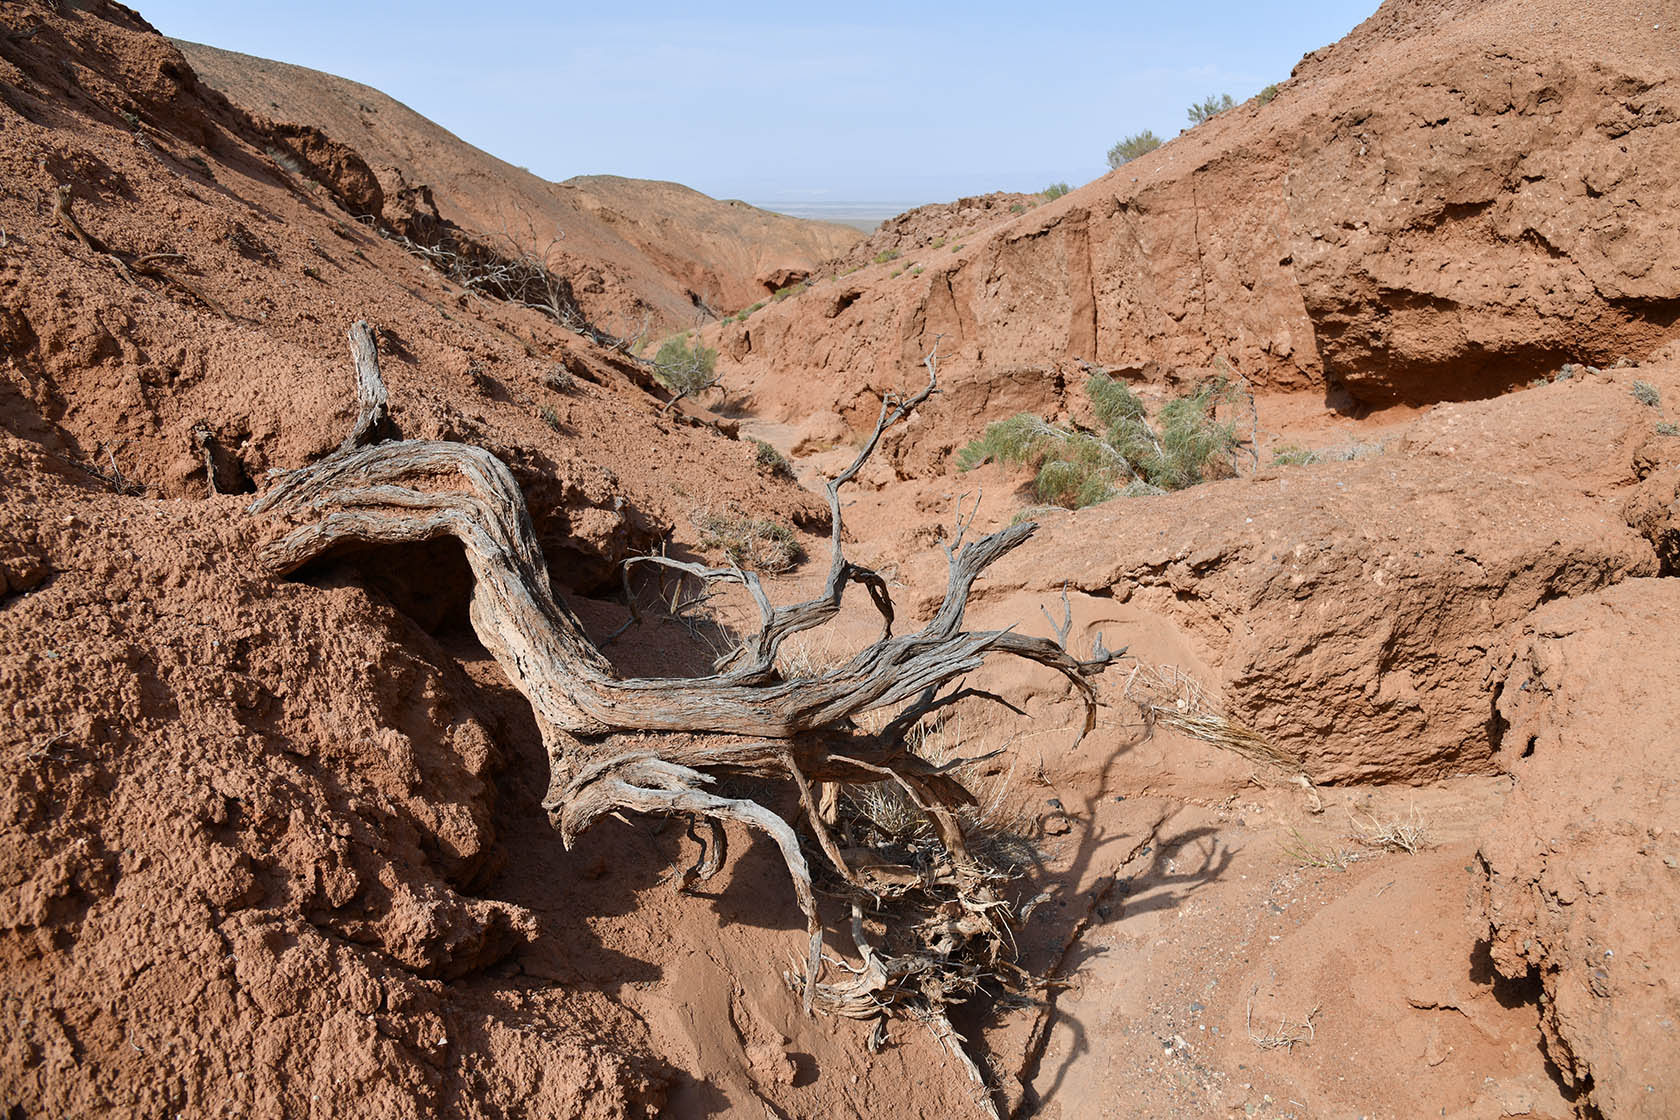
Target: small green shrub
(1131, 457)
(771, 461)
(550, 417)
(938, 243)
(790, 290)
(1210, 107)
(1646, 394)
(1664, 428)
(749, 542)
(1017, 208)
(1132, 147)
(1293, 455)
(1054, 191)
(1265, 96)
(886, 255)
(684, 368)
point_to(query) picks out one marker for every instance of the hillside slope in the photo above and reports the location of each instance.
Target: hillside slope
(629, 245)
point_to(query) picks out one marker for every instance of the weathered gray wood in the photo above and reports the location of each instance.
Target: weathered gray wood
(372, 414)
(653, 745)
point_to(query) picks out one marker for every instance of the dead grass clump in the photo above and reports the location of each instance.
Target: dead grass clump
(1286, 1035)
(1168, 695)
(1409, 834)
(755, 543)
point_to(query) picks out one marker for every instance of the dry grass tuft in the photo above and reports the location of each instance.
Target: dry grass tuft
(1409, 834)
(1310, 853)
(747, 541)
(1168, 695)
(1286, 1035)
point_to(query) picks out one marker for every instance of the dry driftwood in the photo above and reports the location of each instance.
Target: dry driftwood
(658, 745)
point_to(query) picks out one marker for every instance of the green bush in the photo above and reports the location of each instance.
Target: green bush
(1132, 147)
(771, 461)
(886, 255)
(1054, 191)
(684, 368)
(1210, 107)
(1264, 97)
(790, 290)
(1646, 393)
(1017, 208)
(1185, 445)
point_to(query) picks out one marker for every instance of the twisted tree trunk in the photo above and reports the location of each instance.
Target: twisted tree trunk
(656, 745)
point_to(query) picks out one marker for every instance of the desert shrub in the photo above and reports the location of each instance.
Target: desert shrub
(550, 417)
(1664, 428)
(1131, 457)
(1132, 147)
(790, 290)
(771, 461)
(938, 243)
(749, 542)
(1265, 96)
(1646, 393)
(1054, 191)
(1210, 107)
(559, 379)
(684, 368)
(1017, 208)
(886, 255)
(1293, 455)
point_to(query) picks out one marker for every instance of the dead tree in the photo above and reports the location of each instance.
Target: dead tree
(659, 745)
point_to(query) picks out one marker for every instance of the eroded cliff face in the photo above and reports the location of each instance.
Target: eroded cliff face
(1439, 207)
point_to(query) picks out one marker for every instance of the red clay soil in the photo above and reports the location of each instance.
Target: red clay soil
(1378, 819)
(631, 247)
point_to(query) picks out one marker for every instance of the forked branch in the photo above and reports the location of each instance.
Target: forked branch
(656, 745)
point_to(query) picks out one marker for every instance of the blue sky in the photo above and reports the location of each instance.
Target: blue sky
(792, 101)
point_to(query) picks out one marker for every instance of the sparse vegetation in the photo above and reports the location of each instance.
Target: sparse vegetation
(938, 243)
(559, 379)
(1210, 107)
(1664, 428)
(550, 417)
(751, 542)
(1646, 394)
(1310, 853)
(790, 290)
(1265, 96)
(771, 461)
(1017, 208)
(1286, 1035)
(1294, 455)
(886, 255)
(1409, 834)
(1054, 191)
(685, 368)
(1186, 444)
(1132, 147)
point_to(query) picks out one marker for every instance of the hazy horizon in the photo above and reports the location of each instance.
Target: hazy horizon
(888, 104)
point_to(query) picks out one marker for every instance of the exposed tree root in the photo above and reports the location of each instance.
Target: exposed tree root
(658, 745)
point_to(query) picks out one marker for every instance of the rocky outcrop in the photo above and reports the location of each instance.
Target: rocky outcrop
(1433, 209)
(1349, 606)
(1578, 881)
